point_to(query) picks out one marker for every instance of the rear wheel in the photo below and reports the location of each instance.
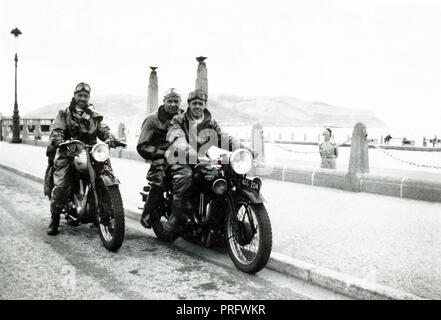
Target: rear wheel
(110, 217)
(248, 236)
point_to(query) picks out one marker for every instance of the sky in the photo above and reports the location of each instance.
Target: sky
(379, 55)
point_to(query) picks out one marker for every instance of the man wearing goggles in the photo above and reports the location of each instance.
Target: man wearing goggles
(191, 133)
(78, 121)
(152, 145)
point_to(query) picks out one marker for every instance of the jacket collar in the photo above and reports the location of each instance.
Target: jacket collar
(207, 117)
(89, 112)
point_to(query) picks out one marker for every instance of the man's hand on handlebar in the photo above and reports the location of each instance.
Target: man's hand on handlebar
(114, 143)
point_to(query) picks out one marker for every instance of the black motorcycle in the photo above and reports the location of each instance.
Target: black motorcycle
(225, 208)
(95, 196)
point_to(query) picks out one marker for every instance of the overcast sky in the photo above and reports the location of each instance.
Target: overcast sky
(383, 55)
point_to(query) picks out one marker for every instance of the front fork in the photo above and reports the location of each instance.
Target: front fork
(232, 205)
(92, 176)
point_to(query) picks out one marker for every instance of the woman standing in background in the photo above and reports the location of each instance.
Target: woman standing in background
(328, 151)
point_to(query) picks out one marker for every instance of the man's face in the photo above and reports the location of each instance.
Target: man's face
(171, 105)
(197, 108)
(82, 99)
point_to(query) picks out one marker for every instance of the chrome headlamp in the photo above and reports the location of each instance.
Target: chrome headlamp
(100, 152)
(220, 186)
(241, 161)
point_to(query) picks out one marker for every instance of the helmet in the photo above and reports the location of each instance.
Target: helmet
(172, 92)
(197, 94)
(82, 86)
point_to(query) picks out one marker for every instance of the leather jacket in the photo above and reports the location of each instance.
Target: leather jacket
(179, 135)
(152, 141)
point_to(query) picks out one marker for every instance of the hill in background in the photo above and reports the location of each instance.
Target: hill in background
(229, 110)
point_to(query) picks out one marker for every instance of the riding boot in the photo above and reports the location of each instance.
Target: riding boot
(153, 201)
(178, 217)
(55, 219)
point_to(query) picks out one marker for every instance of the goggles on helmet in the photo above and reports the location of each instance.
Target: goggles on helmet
(82, 86)
(198, 94)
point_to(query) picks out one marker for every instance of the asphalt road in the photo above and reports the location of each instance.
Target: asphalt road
(386, 240)
(74, 264)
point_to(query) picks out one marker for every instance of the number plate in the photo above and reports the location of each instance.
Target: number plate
(250, 184)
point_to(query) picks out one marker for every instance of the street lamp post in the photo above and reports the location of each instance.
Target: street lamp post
(15, 117)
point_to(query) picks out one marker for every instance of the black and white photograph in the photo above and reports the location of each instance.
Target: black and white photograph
(239, 152)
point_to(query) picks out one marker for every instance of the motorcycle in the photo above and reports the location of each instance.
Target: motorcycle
(95, 194)
(225, 208)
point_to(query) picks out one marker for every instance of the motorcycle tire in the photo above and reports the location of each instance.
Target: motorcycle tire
(111, 234)
(264, 242)
(157, 221)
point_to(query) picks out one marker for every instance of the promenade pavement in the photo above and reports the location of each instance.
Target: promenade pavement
(389, 240)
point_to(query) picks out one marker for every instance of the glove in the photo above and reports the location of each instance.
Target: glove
(50, 150)
(112, 143)
(56, 143)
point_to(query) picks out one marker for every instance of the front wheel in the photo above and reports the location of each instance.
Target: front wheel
(248, 236)
(110, 217)
(159, 217)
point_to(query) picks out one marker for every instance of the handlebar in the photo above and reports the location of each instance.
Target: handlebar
(69, 142)
(117, 142)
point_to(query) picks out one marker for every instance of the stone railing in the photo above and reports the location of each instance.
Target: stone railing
(29, 128)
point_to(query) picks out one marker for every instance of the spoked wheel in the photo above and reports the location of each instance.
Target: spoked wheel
(110, 217)
(248, 236)
(158, 219)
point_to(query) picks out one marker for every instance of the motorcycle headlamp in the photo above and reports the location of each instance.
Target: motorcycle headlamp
(241, 161)
(100, 152)
(220, 186)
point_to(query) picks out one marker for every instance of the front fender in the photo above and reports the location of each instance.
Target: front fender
(108, 179)
(253, 196)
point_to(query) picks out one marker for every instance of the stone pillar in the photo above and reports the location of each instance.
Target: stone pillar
(37, 131)
(4, 129)
(359, 158)
(201, 78)
(25, 130)
(257, 141)
(122, 132)
(1, 128)
(152, 94)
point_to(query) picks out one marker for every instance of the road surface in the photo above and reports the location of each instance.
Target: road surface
(388, 240)
(74, 264)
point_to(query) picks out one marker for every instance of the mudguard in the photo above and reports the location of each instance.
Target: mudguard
(108, 179)
(253, 196)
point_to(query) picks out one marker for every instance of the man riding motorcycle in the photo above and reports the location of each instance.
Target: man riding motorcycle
(190, 135)
(152, 145)
(78, 121)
